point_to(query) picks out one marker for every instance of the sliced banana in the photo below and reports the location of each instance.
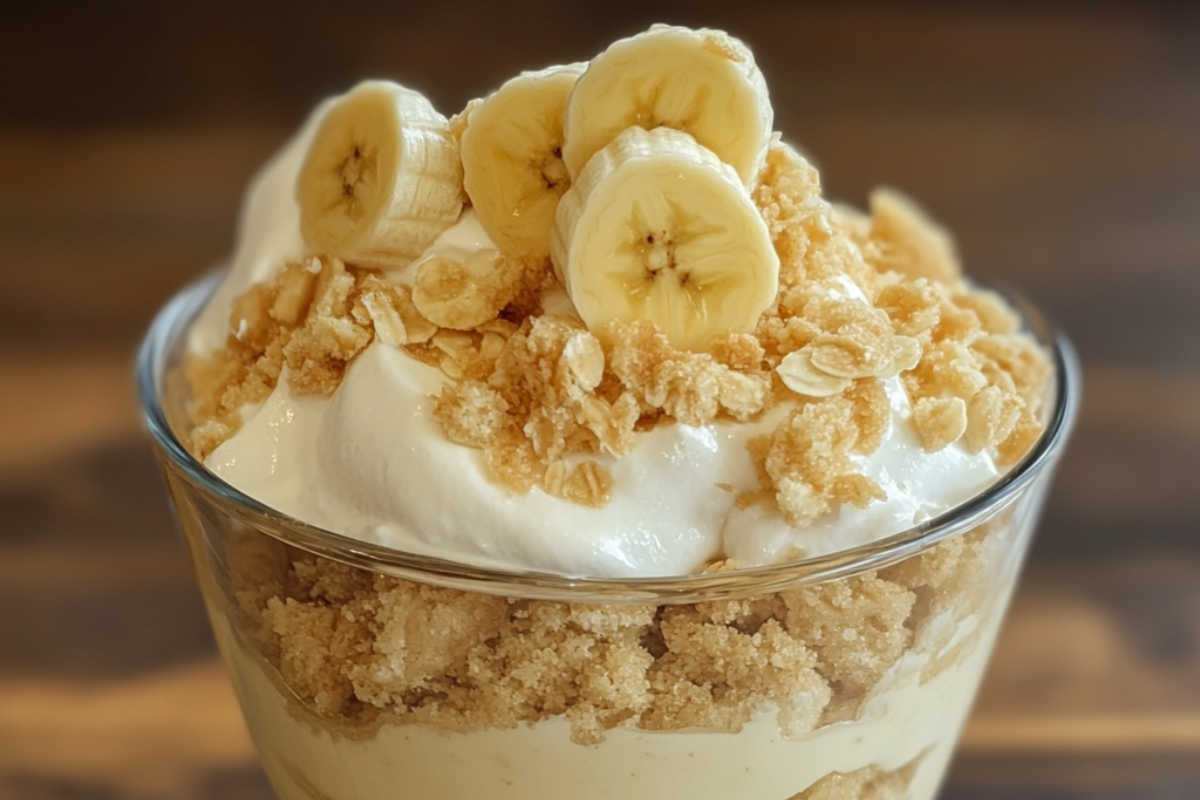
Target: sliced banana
(382, 178)
(704, 82)
(512, 159)
(657, 227)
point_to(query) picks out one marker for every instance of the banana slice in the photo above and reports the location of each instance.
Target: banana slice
(382, 178)
(512, 159)
(704, 82)
(657, 227)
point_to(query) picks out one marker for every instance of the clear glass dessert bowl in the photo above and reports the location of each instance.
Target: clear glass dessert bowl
(366, 672)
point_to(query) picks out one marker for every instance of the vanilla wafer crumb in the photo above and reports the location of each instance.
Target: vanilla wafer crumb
(354, 645)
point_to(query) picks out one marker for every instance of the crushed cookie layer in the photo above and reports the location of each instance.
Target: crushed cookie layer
(359, 648)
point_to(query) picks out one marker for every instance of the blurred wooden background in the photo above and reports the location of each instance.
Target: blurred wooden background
(1061, 142)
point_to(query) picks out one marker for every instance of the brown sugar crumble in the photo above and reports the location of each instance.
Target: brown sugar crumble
(360, 648)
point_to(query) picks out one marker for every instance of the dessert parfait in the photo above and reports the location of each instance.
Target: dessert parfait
(577, 446)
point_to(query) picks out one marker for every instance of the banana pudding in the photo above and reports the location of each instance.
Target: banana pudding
(578, 440)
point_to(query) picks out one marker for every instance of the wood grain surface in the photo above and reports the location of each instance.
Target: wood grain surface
(1061, 143)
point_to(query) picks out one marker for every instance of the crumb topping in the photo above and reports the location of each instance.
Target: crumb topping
(861, 300)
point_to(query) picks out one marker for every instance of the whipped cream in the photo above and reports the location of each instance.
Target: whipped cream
(372, 463)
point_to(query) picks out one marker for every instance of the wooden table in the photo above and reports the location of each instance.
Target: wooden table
(1061, 144)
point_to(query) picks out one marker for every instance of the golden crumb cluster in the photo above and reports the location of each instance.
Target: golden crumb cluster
(969, 373)
(359, 648)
